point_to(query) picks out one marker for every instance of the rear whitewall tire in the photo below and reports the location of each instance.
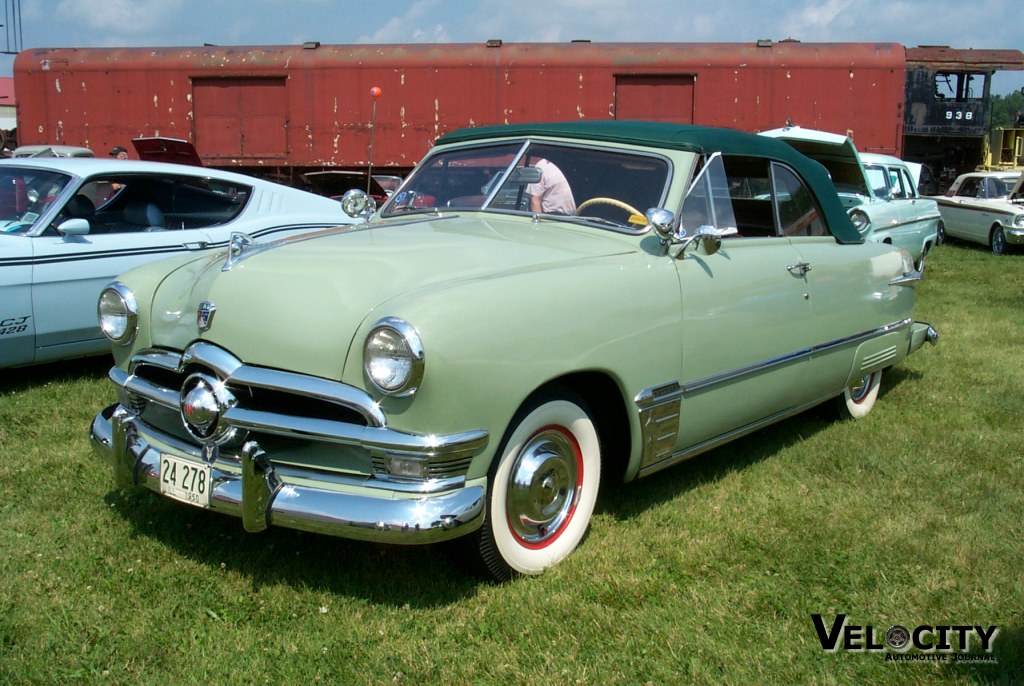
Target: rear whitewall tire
(859, 398)
(543, 489)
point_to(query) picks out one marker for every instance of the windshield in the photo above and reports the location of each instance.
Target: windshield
(607, 186)
(26, 195)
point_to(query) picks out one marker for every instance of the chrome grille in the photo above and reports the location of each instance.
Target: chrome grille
(299, 414)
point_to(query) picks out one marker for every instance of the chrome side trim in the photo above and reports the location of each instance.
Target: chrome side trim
(908, 279)
(659, 406)
(693, 451)
(758, 367)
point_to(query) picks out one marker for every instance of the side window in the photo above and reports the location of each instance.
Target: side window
(758, 197)
(798, 212)
(878, 179)
(898, 183)
(909, 187)
(969, 188)
(750, 189)
(708, 203)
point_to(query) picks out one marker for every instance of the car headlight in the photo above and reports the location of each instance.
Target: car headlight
(393, 357)
(860, 221)
(118, 313)
(1018, 221)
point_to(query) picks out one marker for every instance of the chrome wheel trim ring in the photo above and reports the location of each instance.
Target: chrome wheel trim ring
(543, 487)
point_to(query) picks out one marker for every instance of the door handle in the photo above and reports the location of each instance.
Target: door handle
(799, 269)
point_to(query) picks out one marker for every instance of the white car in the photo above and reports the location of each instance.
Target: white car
(984, 207)
(879, 191)
(68, 226)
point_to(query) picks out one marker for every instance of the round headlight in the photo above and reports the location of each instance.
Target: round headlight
(118, 314)
(393, 357)
(860, 220)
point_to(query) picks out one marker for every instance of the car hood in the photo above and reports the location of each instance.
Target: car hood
(298, 303)
(817, 144)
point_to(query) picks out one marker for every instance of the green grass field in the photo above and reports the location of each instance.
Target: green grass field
(706, 573)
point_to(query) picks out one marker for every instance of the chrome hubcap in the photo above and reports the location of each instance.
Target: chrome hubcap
(859, 390)
(543, 487)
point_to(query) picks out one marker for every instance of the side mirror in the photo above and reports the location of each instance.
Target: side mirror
(74, 227)
(356, 203)
(661, 220)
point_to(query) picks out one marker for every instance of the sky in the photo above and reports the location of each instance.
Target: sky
(979, 24)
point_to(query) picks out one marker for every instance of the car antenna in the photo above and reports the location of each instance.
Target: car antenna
(375, 93)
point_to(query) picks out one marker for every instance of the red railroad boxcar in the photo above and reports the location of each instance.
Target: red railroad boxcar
(296, 108)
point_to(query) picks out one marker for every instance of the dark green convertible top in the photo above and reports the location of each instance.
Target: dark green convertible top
(684, 137)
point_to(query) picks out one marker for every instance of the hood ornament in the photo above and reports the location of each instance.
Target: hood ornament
(204, 315)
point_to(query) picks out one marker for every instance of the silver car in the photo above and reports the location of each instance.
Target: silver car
(984, 207)
(69, 225)
(879, 191)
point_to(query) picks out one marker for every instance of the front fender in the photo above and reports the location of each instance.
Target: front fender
(489, 343)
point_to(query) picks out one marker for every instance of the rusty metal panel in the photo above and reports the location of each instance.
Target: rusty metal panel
(241, 118)
(664, 97)
(945, 57)
(104, 97)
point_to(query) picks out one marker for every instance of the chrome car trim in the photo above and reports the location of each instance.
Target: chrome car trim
(312, 387)
(659, 406)
(758, 367)
(207, 355)
(648, 468)
(411, 338)
(288, 500)
(659, 421)
(366, 429)
(908, 279)
(451, 446)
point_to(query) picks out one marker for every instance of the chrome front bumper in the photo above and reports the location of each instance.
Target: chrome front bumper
(263, 495)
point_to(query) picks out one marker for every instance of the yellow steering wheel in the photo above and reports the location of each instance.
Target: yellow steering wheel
(637, 217)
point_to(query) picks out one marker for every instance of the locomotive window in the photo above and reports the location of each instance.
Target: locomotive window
(958, 86)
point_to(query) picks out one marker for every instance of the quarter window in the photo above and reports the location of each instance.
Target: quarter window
(756, 196)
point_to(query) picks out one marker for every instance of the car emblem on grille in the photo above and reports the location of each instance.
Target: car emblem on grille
(204, 315)
(204, 400)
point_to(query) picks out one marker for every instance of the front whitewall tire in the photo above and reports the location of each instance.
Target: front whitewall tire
(543, 490)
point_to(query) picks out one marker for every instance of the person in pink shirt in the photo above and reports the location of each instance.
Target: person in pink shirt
(552, 194)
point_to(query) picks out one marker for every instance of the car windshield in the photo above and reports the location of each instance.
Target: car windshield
(25, 195)
(600, 185)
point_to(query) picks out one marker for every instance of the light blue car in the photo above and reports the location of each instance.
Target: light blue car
(69, 226)
(879, 191)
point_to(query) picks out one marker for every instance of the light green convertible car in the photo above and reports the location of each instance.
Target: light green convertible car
(539, 311)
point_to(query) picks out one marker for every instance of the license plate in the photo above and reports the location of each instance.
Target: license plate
(185, 480)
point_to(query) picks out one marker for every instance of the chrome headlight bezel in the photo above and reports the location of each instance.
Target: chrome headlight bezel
(1018, 221)
(118, 314)
(860, 220)
(393, 357)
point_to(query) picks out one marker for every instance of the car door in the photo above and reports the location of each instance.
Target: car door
(745, 324)
(964, 213)
(17, 325)
(916, 218)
